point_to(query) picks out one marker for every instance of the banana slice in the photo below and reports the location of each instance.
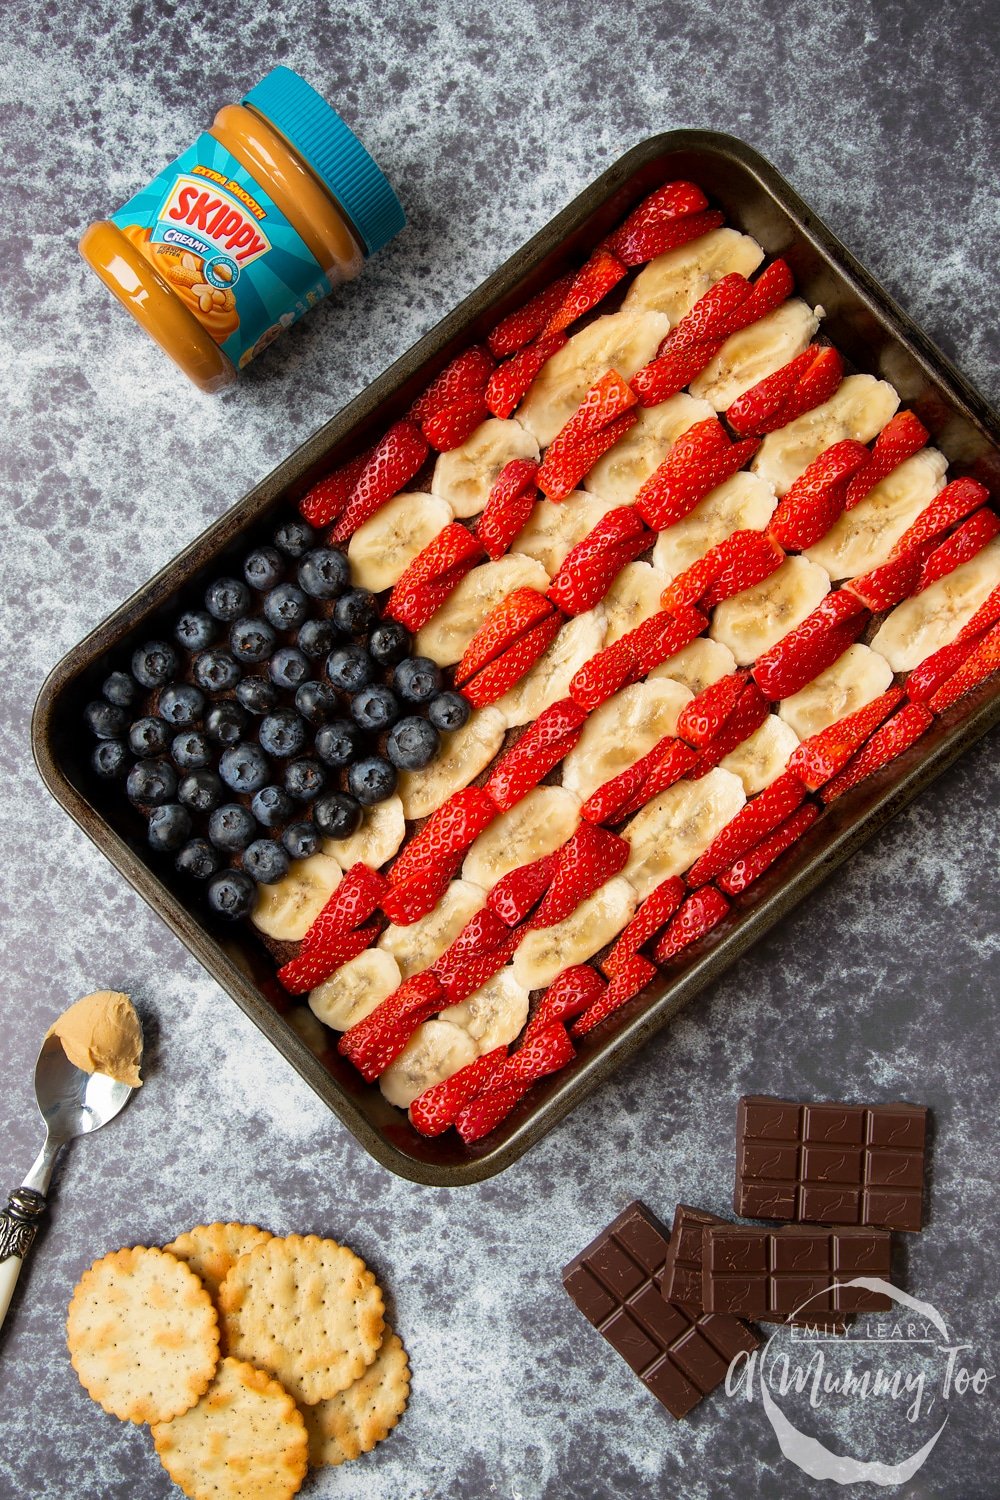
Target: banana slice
(417, 946)
(669, 833)
(622, 341)
(465, 475)
(632, 598)
(495, 1014)
(384, 546)
(863, 537)
(854, 679)
(459, 761)
(545, 952)
(287, 909)
(932, 619)
(624, 469)
(673, 283)
(553, 528)
(763, 756)
(434, 1052)
(752, 622)
(621, 732)
(859, 409)
(550, 677)
(697, 666)
(447, 633)
(356, 988)
(754, 352)
(744, 502)
(381, 833)
(537, 825)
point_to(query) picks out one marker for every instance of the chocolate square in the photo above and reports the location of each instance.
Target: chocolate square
(800, 1263)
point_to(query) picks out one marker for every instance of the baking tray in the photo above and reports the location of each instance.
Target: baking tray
(869, 329)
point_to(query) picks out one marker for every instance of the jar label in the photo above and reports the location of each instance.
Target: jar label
(225, 248)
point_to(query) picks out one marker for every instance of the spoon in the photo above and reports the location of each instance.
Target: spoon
(72, 1103)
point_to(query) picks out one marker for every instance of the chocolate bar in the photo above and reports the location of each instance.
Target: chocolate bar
(830, 1163)
(681, 1280)
(679, 1356)
(792, 1274)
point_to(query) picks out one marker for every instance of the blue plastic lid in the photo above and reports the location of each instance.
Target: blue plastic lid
(315, 130)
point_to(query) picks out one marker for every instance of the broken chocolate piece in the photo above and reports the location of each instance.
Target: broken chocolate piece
(794, 1274)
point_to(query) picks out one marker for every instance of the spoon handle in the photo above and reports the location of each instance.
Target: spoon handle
(18, 1226)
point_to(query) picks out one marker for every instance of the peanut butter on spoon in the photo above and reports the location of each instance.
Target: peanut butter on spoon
(102, 1034)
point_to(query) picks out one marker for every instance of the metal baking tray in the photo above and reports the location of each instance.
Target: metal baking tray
(874, 335)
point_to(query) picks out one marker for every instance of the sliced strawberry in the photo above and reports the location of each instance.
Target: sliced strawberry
(543, 745)
(605, 400)
(895, 736)
(700, 720)
(700, 460)
(654, 913)
(372, 1044)
(465, 376)
(591, 283)
(353, 900)
(570, 994)
(433, 574)
(772, 287)
(485, 1113)
(469, 962)
(963, 543)
(601, 677)
(660, 637)
(506, 670)
(439, 1106)
(453, 827)
(754, 821)
(328, 499)
(894, 580)
(950, 505)
(517, 894)
(547, 1050)
(591, 566)
(588, 858)
(696, 917)
(510, 383)
(450, 427)
(762, 856)
(823, 754)
(735, 564)
(981, 663)
(523, 325)
(625, 793)
(668, 762)
(653, 239)
(804, 383)
(311, 967)
(986, 615)
(671, 371)
(817, 497)
(394, 461)
(563, 468)
(674, 200)
(511, 502)
(901, 437)
(811, 647)
(713, 317)
(748, 715)
(628, 980)
(924, 681)
(408, 900)
(506, 623)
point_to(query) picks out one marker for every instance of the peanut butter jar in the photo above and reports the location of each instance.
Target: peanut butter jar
(245, 231)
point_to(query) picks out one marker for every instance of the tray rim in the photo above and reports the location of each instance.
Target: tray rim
(757, 914)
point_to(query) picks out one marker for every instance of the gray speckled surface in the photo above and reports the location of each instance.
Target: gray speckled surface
(882, 116)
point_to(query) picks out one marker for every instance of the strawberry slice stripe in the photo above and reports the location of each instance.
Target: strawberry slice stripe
(353, 900)
(668, 764)
(372, 1044)
(700, 720)
(653, 239)
(450, 427)
(654, 913)
(699, 460)
(963, 544)
(671, 371)
(439, 1106)
(735, 564)
(501, 674)
(628, 980)
(896, 735)
(509, 384)
(394, 461)
(510, 503)
(516, 614)
(696, 917)
(901, 437)
(588, 858)
(591, 566)
(819, 758)
(981, 663)
(752, 865)
(748, 715)
(328, 499)
(674, 200)
(605, 400)
(935, 670)
(465, 376)
(433, 575)
(811, 647)
(950, 505)
(817, 498)
(893, 580)
(311, 968)
(455, 825)
(542, 746)
(754, 821)
(518, 328)
(630, 789)
(562, 471)
(804, 383)
(483, 1115)
(569, 995)
(408, 900)
(591, 283)
(517, 893)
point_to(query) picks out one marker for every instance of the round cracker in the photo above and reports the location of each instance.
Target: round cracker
(308, 1310)
(245, 1439)
(143, 1335)
(353, 1422)
(211, 1250)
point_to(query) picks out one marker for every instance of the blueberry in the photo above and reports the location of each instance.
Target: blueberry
(263, 568)
(198, 859)
(148, 736)
(181, 704)
(191, 750)
(154, 664)
(151, 781)
(338, 742)
(304, 780)
(231, 827)
(317, 638)
(226, 723)
(251, 640)
(355, 612)
(316, 701)
(201, 790)
(216, 670)
(272, 807)
(302, 840)
(412, 744)
(293, 538)
(266, 861)
(350, 668)
(227, 599)
(286, 607)
(337, 815)
(449, 711)
(371, 780)
(288, 667)
(283, 734)
(195, 629)
(104, 719)
(109, 759)
(232, 894)
(244, 768)
(169, 827)
(324, 573)
(418, 679)
(257, 694)
(388, 643)
(375, 708)
(119, 689)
